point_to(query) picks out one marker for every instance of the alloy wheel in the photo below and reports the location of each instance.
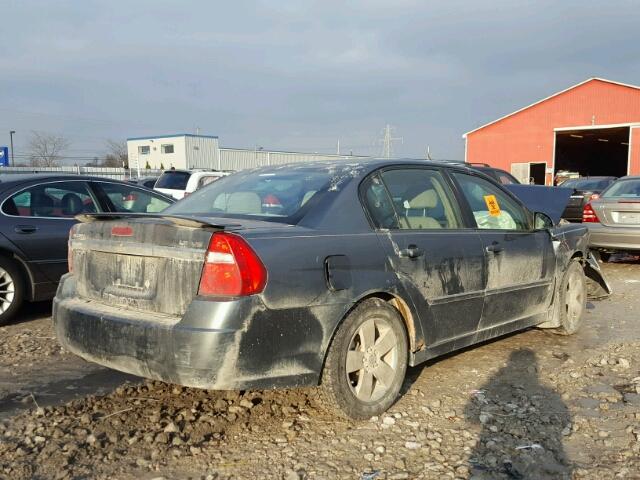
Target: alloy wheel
(7, 290)
(372, 360)
(574, 298)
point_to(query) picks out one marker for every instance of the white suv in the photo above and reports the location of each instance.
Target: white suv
(180, 183)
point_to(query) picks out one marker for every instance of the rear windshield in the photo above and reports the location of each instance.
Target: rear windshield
(268, 195)
(173, 180)
(587, 185)
(623, 188)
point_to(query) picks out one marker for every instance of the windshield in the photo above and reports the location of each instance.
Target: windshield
(275, 195)
(173, 180)
(623, 188)
(587, 185)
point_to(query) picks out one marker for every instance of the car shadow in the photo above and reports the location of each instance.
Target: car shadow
(522, 424)
(31, 311)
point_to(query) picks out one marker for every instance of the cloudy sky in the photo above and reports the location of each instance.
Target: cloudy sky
(298, 75)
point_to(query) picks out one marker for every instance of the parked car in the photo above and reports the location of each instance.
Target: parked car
(613, 219)
(36, 214)
(499, 175)
(364, 269)
(180, 183)
(583, 189)
(147, 182)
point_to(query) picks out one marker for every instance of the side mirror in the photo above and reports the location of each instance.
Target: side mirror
(542, 221)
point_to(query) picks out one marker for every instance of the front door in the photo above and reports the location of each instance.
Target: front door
(440, 263)
(520, 260)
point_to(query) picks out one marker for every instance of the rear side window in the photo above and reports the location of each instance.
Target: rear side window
(173, 180)
(130, 199)
(206, 180)
(52, 200)
(410, 199)
(492, 208)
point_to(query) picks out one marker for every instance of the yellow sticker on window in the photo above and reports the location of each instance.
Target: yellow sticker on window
(492, 205)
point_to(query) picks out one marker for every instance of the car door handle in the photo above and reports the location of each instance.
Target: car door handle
(494, 247)
(412, 251)
(25, 229)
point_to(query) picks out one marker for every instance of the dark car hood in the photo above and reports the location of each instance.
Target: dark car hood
(539, 198)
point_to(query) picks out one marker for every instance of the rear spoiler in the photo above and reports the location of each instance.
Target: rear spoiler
(182, 221)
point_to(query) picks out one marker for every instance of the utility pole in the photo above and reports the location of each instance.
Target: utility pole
(428, 154)
(338, 150)
(13, 158)
(387, 141)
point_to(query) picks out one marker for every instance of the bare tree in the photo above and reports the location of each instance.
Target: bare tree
(45, 149)
(117, 155)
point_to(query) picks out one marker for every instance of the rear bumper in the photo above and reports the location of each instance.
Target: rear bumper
(614, 238)
(228, 344)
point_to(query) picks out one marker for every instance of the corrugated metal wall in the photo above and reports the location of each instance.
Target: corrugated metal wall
(201, 152)
(238, 159)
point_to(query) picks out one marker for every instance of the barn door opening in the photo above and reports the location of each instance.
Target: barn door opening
(593, 152)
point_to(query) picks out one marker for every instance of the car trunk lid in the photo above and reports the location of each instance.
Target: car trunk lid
(618, 212)
(149, 263)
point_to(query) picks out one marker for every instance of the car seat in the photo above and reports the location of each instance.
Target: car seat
(71, 204)
(422, 202)
(244, 203)
(41, 205)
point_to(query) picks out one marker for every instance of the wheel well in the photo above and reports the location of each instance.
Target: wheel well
(26, 274)
(403, 309)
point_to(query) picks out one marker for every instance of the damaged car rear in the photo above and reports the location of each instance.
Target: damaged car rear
(335, 274)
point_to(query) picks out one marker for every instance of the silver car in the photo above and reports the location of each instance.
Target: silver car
(613, 218)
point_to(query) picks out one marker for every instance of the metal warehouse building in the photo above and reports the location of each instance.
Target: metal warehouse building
(187, 151)
(592, 128)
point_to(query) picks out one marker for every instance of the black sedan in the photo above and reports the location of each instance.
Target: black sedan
(362, 270)
(36, 214)
(583, 190)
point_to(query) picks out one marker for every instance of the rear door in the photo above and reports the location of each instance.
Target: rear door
(441, 262)
(520, 260)
(38, 219)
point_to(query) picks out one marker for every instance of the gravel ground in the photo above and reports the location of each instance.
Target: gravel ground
(532, 405)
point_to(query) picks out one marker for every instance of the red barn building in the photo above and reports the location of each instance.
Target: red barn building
(592, 128)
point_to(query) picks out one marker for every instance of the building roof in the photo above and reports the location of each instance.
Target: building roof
(153, 137)
(592, 79)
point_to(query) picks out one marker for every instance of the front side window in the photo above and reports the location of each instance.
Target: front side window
(167, 148)
(419, 200)
(144, 150)
(130, 199)
(51, 200)
(492, 208)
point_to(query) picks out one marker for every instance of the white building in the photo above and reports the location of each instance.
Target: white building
(184, 150)
(181, 150)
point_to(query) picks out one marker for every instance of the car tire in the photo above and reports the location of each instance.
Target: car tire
(11, 289)
(366, 361)
(573, 299)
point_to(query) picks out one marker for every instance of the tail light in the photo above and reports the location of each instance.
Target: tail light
(231, 268)
(589, 215)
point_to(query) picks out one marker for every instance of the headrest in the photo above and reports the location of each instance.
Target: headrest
(71, 204)
(426, 199)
